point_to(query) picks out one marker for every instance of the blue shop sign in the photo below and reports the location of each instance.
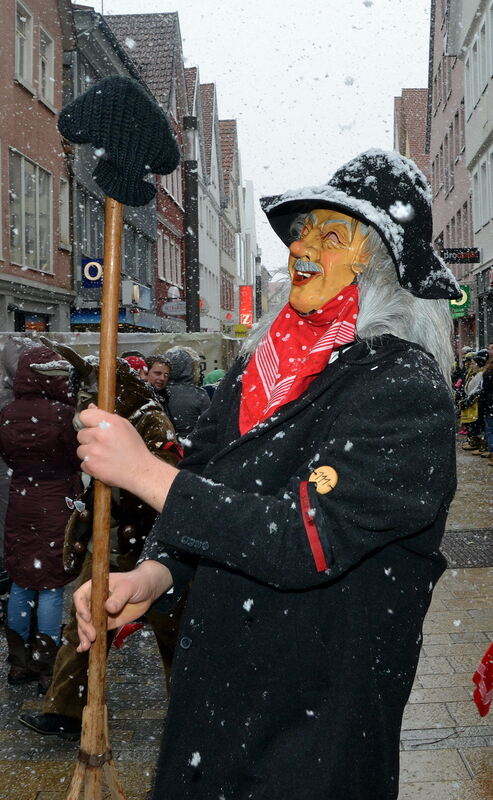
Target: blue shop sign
(91, 273)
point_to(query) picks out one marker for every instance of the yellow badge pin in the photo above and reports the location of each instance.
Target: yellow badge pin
(324, 478)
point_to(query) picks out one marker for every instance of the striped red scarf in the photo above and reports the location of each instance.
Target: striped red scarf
(292, 353)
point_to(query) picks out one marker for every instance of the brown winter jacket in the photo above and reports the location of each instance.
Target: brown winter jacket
(38, 442)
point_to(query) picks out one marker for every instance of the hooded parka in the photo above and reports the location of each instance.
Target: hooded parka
(38, 442)
(186, 400)
(303, 627)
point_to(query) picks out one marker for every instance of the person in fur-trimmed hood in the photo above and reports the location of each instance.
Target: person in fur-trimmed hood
(309, 509)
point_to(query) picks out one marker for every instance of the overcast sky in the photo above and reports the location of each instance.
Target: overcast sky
(311, 83)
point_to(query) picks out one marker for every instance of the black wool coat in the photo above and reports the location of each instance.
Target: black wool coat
(302, 631)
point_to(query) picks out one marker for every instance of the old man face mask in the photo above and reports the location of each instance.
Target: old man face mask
(327, 254)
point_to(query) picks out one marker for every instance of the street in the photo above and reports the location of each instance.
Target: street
(447, 749)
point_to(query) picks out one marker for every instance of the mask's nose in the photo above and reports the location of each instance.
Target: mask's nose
(304, 249)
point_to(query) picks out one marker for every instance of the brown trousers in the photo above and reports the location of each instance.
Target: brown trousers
(67, 693)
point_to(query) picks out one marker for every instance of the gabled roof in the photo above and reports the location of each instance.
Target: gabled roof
(153, 42)
(229, 142)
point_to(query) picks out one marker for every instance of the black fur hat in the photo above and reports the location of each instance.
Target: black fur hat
(119, 117)
(388, 192)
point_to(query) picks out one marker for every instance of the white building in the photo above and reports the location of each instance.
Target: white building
(471, 38)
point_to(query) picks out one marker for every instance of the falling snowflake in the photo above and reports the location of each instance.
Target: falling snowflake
(195, 760)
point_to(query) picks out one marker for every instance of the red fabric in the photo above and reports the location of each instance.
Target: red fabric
(311, 529)
(292, 353)
(126, 630)
(483, 678)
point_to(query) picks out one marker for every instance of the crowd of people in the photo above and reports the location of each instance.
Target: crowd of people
(473, 384)
(47, 531)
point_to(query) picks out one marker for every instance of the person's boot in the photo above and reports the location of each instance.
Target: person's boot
(22, 670)
(43, 654)
(53, 725)
(472, 443)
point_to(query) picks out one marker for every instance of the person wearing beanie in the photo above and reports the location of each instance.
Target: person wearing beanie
(211, 381)
(139, 364)
(309, 508)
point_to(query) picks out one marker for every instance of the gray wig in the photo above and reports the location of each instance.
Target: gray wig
(386, 308)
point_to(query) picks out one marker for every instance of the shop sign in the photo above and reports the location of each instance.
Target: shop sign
(246, 305)
(92, 273)
(460, 307)
(461, 255)
(174, 308)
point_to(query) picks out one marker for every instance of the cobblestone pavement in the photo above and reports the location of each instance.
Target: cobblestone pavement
(447, 749)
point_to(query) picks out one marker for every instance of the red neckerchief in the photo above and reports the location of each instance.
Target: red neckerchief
(292, 353)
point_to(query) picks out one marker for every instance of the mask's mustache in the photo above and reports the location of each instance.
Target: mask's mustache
(306, 266)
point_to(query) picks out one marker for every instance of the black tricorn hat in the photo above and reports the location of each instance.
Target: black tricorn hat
(118, 116)
(388, 192)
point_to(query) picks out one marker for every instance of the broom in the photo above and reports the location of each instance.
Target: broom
(133, 138)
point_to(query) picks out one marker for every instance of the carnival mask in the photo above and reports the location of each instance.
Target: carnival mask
(328, 253)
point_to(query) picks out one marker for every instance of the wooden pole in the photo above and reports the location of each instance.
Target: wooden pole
(95, 755)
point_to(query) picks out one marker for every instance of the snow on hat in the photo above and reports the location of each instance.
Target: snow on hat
(481, 357)
(136, 362)
(388, 192)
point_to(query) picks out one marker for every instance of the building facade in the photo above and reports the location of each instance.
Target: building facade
(470, 40)
(154, 44)
(36, 287)
(96, 56)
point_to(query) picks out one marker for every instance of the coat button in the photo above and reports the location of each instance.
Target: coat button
(185, 642)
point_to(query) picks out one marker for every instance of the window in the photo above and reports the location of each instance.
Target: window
(46, 67)
(485, 205)
(144, 259)
(446, 164)
(64, 215)
(483, 58)
(172, 183)
(30, 213)
(453, 240)
(90, 217)
(175, 263)
(468, 87)
(160, 255)
(86, 76)
(24, 45)
(490, 182)
(164, 258)
(476, 199)
(466, 224)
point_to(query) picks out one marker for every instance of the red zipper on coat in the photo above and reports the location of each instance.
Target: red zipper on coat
(311, 529)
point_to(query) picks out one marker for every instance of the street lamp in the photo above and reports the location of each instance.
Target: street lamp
(191, 223)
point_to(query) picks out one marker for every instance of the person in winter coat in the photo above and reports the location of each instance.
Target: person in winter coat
(309, 508)
(470, 405)
(131, 522)
(487, 404)
(38, 442)
(187, 401)
(159, 370)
